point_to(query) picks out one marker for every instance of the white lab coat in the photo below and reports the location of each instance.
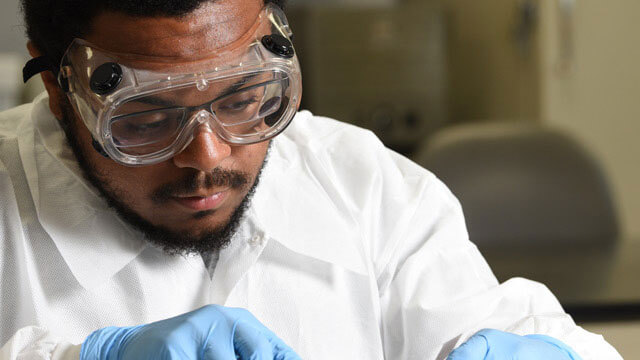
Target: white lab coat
(349, 251)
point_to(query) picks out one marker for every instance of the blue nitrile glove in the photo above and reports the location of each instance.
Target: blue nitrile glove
(210, 333)
(491, 344)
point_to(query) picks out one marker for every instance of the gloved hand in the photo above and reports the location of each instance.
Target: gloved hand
(491, 344)
(211, 332)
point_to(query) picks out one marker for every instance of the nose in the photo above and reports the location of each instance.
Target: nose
(205, 152)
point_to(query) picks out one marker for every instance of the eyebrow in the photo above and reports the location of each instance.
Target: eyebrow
(158, 101)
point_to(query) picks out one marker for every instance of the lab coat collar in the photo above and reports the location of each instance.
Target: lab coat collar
(91, 238)
(294, 209)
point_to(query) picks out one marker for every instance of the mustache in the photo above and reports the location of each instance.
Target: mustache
(195, 181)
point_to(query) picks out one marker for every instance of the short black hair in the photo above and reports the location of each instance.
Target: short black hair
(52, 24)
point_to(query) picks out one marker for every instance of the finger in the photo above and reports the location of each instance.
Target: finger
(218, 346)
(283, 352)
(280, 349)
(287, 355)
(250, 343)
(476, 348)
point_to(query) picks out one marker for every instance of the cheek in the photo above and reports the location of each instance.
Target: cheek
(252, 155)
(137, 183)
(129, 184)
(133, 185)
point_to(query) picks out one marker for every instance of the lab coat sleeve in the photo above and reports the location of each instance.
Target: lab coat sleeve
(436, 289)
(36, 343)
(29, 342)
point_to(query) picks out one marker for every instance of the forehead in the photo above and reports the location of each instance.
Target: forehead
(212, 26)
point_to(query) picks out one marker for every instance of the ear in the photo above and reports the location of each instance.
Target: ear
(56, 94)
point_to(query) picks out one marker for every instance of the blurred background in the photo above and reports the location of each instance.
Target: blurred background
(527, 109)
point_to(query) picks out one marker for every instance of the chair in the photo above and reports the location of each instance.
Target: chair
(522, 185)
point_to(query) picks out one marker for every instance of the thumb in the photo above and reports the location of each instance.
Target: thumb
(476, 348)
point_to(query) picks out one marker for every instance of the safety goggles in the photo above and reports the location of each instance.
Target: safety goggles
(247, 93)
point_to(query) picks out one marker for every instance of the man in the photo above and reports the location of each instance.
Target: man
(161, 201)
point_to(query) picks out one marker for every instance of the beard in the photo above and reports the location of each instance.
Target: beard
(170, 241)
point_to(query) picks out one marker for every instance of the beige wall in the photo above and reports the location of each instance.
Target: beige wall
(594, 95)
(12, 38)
(380, 68)
(597, 96)
(491, 75)
(621, 335)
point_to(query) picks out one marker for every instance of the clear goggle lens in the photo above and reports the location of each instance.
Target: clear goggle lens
(153, 123)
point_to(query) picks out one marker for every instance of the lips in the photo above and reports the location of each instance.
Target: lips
(202, 203)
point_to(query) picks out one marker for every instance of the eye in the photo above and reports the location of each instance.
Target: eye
(147, 127)
(150, 123)
(237, 106)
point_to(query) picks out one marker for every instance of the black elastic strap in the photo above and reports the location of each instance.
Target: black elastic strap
(36, 66)
(97, 147)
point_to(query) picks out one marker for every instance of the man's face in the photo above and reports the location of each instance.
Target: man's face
(187, 202)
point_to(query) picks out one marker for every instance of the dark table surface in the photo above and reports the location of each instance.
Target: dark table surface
(593, 283)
